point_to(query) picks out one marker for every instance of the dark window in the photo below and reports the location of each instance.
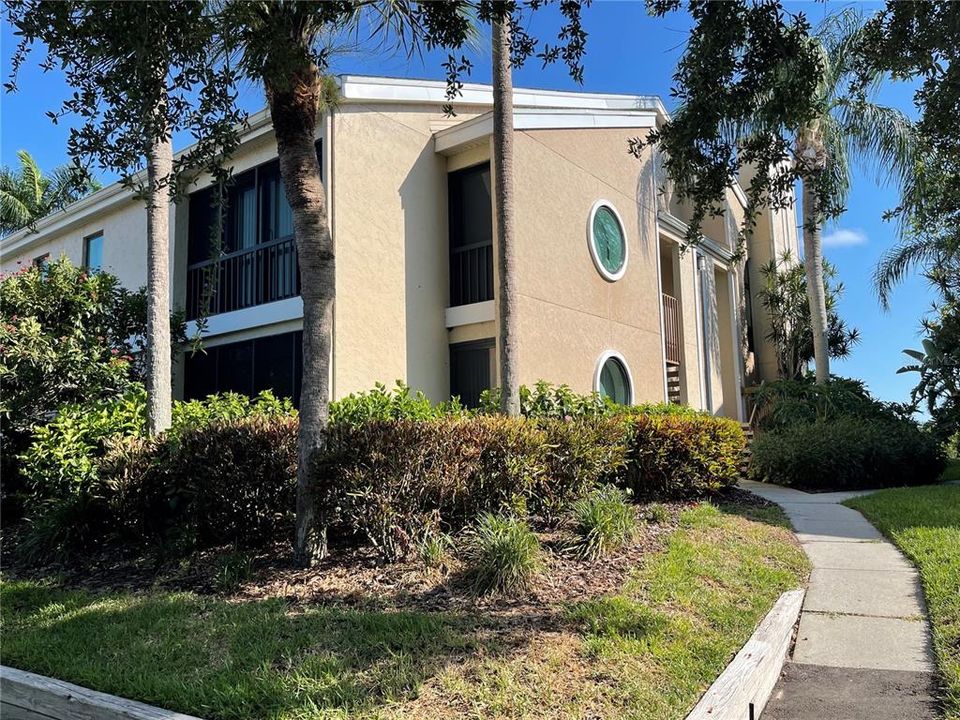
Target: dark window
(470, 370)
(471, 235)
(41, 261)
(247, 367)
(257, 262)
(93, 252)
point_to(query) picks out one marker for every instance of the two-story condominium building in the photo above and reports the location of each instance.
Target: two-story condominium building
(607, 300)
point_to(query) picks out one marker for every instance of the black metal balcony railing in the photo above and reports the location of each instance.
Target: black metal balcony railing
(471, 274)
(244, 278)
(671, 328)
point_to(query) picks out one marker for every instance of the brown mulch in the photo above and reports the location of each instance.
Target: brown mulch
(358, 577)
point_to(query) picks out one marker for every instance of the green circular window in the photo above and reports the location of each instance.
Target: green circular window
(613, 379)
(608, 243)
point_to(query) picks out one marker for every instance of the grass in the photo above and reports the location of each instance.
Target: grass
(648, 651)
(924, 522)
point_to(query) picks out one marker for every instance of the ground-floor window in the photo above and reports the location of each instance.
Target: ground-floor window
(471, 371)
(271, 363)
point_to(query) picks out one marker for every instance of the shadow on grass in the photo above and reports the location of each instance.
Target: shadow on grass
(218, 659)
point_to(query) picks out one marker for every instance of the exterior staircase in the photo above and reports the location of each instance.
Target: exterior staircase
(673, 383)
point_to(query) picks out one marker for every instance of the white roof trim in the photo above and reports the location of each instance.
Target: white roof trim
(361, 88)
(675, 226)
(466, 133)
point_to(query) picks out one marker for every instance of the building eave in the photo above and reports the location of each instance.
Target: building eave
(673, 225)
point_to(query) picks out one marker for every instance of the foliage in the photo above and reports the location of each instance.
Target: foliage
(784, 403)
(66, 336)
(925, 524)
(382, 404)
(846, 453)
(939, 368)
(503, 554)
(87, 471)
(784, 298)
(137, 71)
(603, 521)
(760, 91)
(677, 457)
(229, 482)
(657, 513)
(27, 194)
(391, 481)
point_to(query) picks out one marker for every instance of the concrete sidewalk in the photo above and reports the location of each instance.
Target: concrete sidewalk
(863, 647)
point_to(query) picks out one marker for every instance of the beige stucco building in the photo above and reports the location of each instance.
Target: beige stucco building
(607, 300)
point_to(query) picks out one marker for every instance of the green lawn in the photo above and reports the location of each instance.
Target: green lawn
(647, 652)
(924, 522)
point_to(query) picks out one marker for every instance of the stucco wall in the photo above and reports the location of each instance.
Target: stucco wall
(569, 315)
(124, 229)
(390, 227)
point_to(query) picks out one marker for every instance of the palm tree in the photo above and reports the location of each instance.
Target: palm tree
(27, 195)
(848, 129)
(503, 196)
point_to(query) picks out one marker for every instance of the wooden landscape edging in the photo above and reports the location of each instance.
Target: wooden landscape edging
(28, 696)
(742, 690)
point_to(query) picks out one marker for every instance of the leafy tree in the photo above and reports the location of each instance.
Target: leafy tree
(140, 71)
(784, 297)
(66, 336)
(758, 87)
(281, 45)
(27, 194)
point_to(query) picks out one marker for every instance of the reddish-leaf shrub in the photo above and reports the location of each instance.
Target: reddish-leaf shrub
(682, 456)
(225, 482)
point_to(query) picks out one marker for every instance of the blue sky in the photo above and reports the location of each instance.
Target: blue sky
(627, 52)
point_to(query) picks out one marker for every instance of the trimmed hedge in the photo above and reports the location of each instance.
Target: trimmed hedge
(847, 453)
(390, 482)
(226, 472)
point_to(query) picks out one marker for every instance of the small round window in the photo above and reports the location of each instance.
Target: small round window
(608, 242)
(613, 379)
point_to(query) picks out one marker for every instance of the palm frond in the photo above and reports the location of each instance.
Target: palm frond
(880, 139)
(898, 261)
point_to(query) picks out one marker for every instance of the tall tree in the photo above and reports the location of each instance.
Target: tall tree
(504, 200)
(140, 72)
(28, 194)
(758, 87)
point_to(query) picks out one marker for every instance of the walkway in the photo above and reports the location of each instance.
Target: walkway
(863, 647)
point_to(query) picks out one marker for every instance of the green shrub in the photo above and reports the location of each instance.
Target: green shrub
(679, 456)
(382, 404)
(603, 520)
(232, 570)
(434, 548)
(845, 454)
(388, 480)
(503, 554)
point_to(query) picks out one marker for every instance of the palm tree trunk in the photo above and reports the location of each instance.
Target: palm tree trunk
(159, 400)
(294, 113)
(813, 265)
(503, 191)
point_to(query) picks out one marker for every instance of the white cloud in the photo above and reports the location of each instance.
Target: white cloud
(841, 237)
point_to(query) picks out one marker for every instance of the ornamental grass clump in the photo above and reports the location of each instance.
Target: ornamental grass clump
(503, 554)
(604, 521)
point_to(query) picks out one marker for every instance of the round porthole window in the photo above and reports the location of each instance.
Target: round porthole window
(607, 240)
(613, 379)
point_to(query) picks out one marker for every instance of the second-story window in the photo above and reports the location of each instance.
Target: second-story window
(257, 260)
(471, 235)
(93, 251)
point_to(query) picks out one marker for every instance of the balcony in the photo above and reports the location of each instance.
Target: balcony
(245, 278)
(673, 338)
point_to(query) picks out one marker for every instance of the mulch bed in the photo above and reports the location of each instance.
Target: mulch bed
(358, 577)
